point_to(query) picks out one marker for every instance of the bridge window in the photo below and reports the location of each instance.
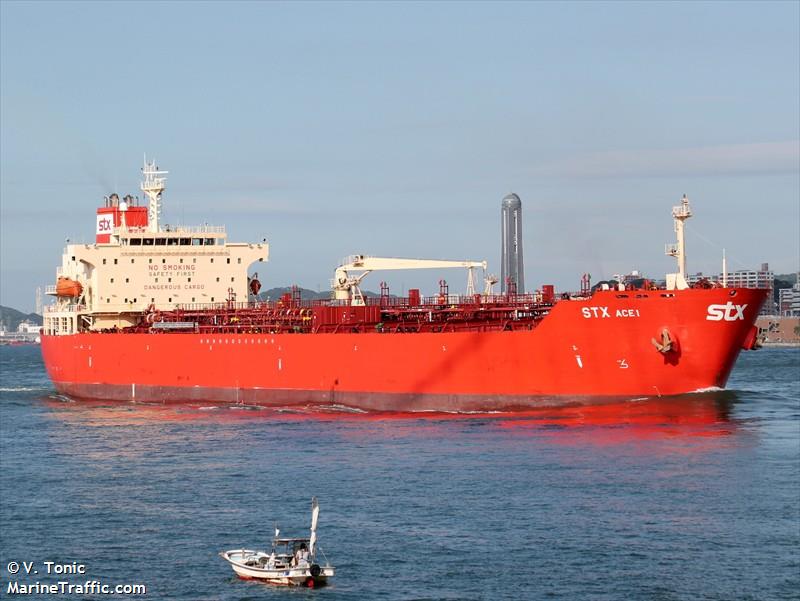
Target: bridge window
(147, 241)
(210, 241)
(197, 242)
(161, 241)
(135, 242)
(172, 241)
(186, 241)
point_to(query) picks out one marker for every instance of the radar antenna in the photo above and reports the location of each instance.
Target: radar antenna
(153, 186)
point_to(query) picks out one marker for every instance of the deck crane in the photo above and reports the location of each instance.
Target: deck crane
(346, 284)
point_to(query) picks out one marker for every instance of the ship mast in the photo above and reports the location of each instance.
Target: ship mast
(153, 186)
(724, 270)
(680, 214)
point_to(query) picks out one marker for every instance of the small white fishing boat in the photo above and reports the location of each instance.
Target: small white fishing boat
(291, 562)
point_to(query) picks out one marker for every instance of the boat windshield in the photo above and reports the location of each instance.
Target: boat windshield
(289, 545)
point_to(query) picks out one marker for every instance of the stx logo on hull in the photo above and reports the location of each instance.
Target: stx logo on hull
(727, 312)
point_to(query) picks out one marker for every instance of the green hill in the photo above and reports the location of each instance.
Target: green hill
(11, 318)
(274, 294)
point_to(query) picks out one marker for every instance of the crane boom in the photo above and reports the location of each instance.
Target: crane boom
(346, 285)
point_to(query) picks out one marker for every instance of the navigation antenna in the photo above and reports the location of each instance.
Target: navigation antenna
(153, 186)
(680, 214)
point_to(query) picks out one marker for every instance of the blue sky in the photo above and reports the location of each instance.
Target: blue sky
(395, 129)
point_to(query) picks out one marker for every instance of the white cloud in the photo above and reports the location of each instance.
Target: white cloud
(732, 159)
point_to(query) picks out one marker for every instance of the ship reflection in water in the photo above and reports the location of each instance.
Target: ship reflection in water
(706, 414)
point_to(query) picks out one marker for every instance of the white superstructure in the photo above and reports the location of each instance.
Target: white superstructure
(136, 265)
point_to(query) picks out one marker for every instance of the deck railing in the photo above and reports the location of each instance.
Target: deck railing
(177, 229)
(71, 308)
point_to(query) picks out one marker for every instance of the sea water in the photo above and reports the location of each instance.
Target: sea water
(690, 497)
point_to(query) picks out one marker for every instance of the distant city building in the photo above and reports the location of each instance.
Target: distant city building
(693, 278)
(511, 265)
(628, 278)
(744, 278)
(763, 278)
(789, 300)
(27, 327)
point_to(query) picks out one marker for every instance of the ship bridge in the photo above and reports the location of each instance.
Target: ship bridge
(135, 265)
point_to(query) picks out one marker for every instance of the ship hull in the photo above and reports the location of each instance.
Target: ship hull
(583, 350)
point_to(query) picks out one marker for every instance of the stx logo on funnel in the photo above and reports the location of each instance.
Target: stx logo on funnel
(728, 312)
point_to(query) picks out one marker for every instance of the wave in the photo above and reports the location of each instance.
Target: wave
(475, 412)
(23, 388)
(340, 409)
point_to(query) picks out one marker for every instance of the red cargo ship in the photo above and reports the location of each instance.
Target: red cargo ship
(155, 318)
